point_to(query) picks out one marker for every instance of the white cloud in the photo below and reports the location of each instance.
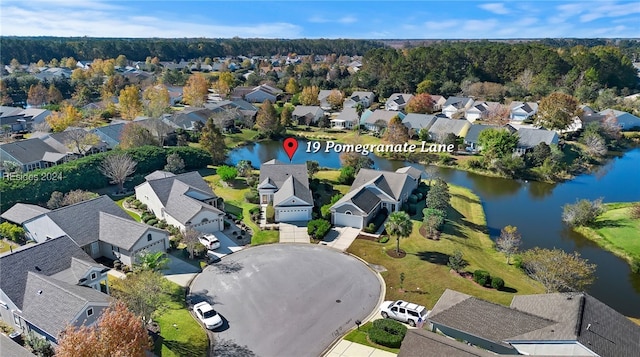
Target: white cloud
(610, 10)
(319, 19)
(496, 8)
(347, 20)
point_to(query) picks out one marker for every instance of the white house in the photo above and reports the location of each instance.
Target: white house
(479, 110)
(397, 101)
(372, 192)
(455, 105)
(364, 98)
(522, 110)
(184, 200)
(286, 187)
(346, 119)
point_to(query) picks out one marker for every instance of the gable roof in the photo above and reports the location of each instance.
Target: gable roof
(162, 186)
(121, 232)
(423, 343)
(527, 107)
(365, 199)
(413, 172)
(110, 133)
(182, 207)
(529, 138)
(348, 114)
(295, 176)
(303, 110)
(22, 212)
(489, 321)
(29, 150)
(383, 115)
(77, 271)
(443, 126)
(59, 141)
(51, 304)
(48, 258)
(390, 182)
(475, 129)
(401, 99)
(418, 121)
(158, 174)
(457, 102)
(81, 221)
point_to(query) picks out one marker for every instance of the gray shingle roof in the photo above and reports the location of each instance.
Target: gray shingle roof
(474, 131)
(182, 207)
(12, 349)
(77, 271)
(121, 232)
(29, 150)
(481, 318)
(418, 121)
(423, 343)
(278, 172)
(529, 138)
(383, 115)
(366, 200)
(162, 186)
(48, 258)
(458, 102)
(158, 174)
(21, 212)
(81, 221)
(411, 171)
(51, 304)
(348, 114)
(303, 110)
(389, 182)
(400, 98)
(443, 126)
(110, 132)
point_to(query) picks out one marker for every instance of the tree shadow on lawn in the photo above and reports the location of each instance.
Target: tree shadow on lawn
(238, 184)
(322, 191)
(207, 171)
(452, 224)
(182, 348)
(232, 209)
(605, 223)
(433, 257)
(508, 289)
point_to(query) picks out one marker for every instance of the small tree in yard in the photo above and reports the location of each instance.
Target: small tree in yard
(438, 195)
(145, 292)
(318, 228)
(400, 226)
(433, 219)
(557, 270)
(117, 333)
(190, 237)
(227, 173)
(312, 168)
(39, 346)
(509, 241)
(582, 213)
(151, 261)
(175, 163)
(270, 213)
(118, 167)
(456, 261)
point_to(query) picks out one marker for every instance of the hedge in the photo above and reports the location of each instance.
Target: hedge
(482, 277)
(84, 173)
(387, 333)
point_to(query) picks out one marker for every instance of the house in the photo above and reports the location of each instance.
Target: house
(184, 200)
(346, 119)
(45, 287)
(10, 348)
(236, 109)
(424, 343)
(100, 228)
(528, 138)
(445, 126)
(626, 121)
(471, 139)
(438, 102)
(18, 119)
(364, 98)
(65, 142)
(286, 187)
(456, 106)
(51, 74)
(257, 94)
(379, 119)
(567, 324)
(374, 191)
(192, 118)
(22, 212)
(307, 114)
(522, 110)
(110, 134)
(31, 154)
(416, 122)
(397, 101)
(322, 98)
(480, 110)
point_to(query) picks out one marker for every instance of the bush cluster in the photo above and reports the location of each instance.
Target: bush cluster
(482, 277)
(387, 333)
(318, 228)
(384, 239)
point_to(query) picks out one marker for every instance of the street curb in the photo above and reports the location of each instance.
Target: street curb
(383, 288)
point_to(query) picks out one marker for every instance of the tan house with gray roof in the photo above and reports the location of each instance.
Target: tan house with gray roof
(286, 186)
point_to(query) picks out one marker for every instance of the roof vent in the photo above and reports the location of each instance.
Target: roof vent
(39, 292)
(38, 268)
(588, 327)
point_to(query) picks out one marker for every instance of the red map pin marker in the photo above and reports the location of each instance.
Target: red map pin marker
(290, 146)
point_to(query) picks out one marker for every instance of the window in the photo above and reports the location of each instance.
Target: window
(402, 310)
(89, 311)
(413, 313)
(94, 276)
(348, 212)
(394, 309)
(149, 237)
(16, 319)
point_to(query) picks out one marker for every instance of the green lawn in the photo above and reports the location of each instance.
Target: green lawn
(245, 137)
(6, 245)
(132, 214)
(425, 266)
(615, 231)
(188, 338)
(235, 204)
(360, 336)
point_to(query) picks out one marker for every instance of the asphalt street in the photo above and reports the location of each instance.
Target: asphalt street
(286, 300)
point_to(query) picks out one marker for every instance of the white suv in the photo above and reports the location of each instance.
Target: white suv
(400, 310)
(210, 241)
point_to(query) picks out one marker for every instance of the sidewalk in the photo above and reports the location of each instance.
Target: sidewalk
(346, 348)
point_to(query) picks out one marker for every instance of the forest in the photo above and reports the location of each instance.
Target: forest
(32, 49)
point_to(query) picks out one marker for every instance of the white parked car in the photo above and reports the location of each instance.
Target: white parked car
(207, 315)
(403, 311)
(210, 241)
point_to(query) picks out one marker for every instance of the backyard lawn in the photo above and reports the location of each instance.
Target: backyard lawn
(425, 265)
(132, 214)
(616, 231)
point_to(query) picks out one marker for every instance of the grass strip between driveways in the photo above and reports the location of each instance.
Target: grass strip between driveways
(425, 266)
(361, 336)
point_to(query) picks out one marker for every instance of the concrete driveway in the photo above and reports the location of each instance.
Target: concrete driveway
(340, 237)
(179, 271)
(294, 232)
(227, 246)
(286, 300)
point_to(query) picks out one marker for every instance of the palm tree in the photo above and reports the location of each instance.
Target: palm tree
(400, 226)
(359, 109)
(151, 261)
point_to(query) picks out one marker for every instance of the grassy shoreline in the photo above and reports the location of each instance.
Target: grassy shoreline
(615, 231)
(424, 267)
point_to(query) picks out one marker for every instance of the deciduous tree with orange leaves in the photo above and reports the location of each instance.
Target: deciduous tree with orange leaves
(117, 333)
(196, 90)
(421, 103)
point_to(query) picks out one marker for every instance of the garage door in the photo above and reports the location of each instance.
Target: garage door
(347, 220)
(293, 215)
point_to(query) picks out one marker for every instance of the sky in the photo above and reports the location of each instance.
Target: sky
(365, 19)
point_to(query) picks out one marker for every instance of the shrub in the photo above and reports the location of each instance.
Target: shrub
(152, 222)
(497, 283)
(142, 207)
(347, 175)
(318, 228)
(252, 196)
(6, 328)
(199, 250)
(39, 345)
(582, 213)
(136, 203)
(370, 228)
(387, 333)
(384, 239)
(173, 243)
(481, 277)
(475, 163)
(635, 265)
(147, 216)
(635, 211)
(413, 199)
(12, 232)
(270, 213)
(254, 210)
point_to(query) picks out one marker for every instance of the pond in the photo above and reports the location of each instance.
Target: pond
(534, 207)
